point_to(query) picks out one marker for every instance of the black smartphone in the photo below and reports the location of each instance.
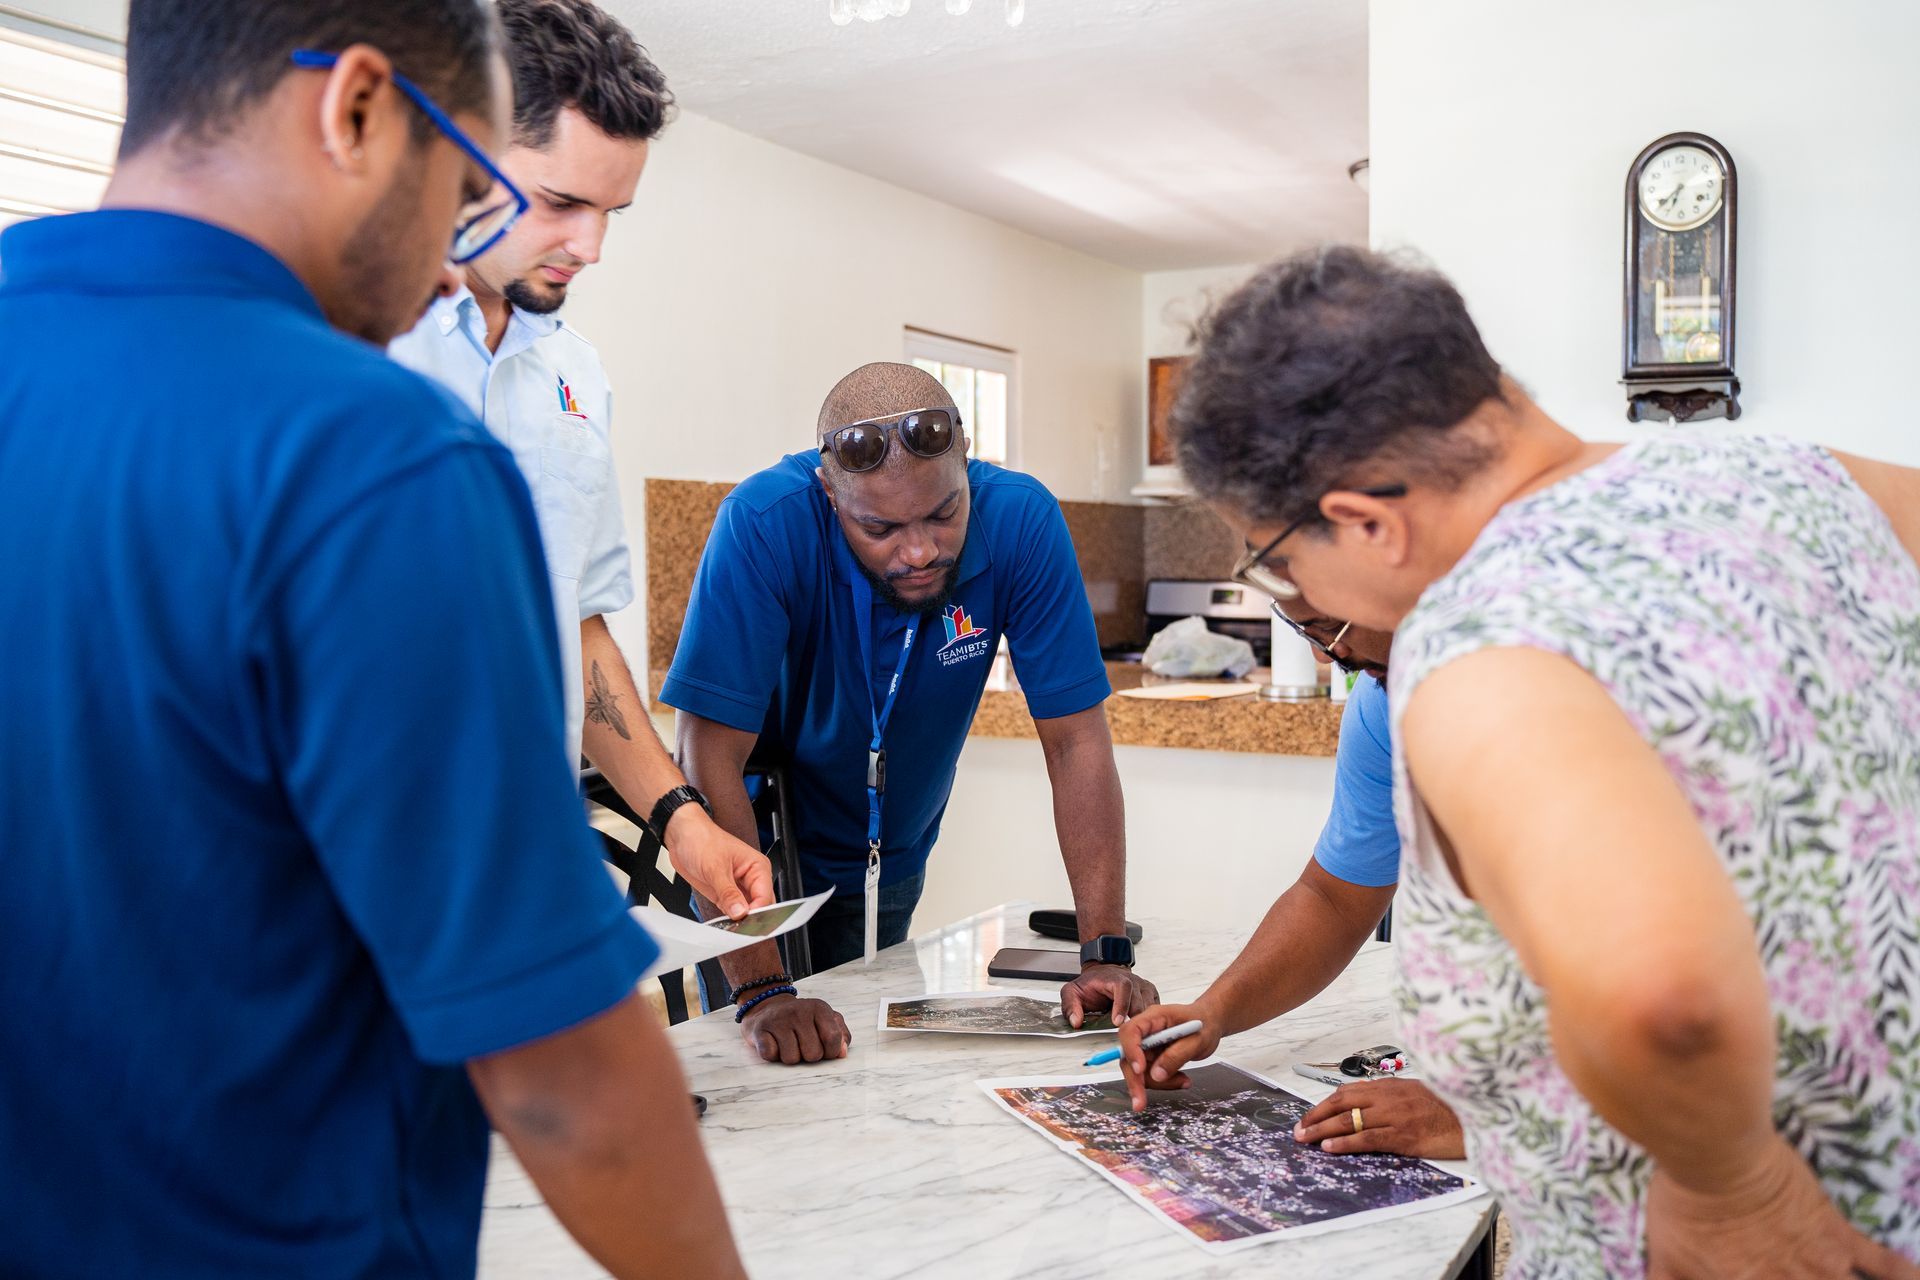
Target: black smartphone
(1025, 962)
(1066, 925)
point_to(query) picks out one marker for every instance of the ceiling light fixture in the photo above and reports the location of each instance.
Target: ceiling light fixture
(845, 11)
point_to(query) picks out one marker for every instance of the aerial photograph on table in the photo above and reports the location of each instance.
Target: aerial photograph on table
(1218, 1162)
(987, 1013)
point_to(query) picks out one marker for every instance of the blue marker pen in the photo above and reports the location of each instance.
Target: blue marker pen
(1153, 1041)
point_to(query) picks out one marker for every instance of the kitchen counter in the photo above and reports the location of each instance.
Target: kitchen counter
(892, 1162)
(1245, 723)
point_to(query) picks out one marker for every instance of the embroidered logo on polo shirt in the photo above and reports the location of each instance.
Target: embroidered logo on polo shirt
(964, 639)
(568, 405)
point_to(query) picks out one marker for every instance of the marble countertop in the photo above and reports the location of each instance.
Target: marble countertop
(891, 1163)
(1245, 723)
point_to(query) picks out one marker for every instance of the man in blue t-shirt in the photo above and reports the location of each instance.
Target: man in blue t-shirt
(1315, 928)
(297, 894)
(844, 617)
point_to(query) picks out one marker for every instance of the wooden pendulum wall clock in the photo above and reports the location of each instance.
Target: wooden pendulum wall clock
(1677, 329)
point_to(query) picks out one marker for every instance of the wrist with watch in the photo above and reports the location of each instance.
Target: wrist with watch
(1108, 948)
(671, 803)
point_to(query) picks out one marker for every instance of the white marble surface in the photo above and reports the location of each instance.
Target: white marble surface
(891, 1163)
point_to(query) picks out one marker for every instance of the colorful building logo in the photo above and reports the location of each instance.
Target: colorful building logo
(965, 637)
(959, 625)
(568, 405)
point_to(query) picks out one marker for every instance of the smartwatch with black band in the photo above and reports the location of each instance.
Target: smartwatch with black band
(669, 804)
(1108, 948)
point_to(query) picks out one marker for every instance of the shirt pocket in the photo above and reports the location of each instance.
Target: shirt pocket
(567, 501)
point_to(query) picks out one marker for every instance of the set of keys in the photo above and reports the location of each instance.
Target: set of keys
(1369, 1064)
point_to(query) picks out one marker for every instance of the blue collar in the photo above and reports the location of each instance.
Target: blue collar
(140, 252)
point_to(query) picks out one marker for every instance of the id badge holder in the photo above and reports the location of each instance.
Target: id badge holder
(873, 901)
(876, 787)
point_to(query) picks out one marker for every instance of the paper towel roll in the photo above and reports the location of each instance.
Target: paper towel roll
(1294, 664)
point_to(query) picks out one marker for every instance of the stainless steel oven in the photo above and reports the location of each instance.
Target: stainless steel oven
(1228, 607)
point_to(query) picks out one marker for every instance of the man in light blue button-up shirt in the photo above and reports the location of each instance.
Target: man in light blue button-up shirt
(587, 102)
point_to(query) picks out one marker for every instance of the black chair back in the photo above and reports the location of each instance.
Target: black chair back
(646, 883)
(773, 812)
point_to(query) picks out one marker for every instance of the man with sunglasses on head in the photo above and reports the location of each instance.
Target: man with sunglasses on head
(587, 104)
(297, 894)
(1315, 928)
(844, 617)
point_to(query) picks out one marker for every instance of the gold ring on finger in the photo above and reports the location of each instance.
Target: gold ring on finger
(1358, 1123)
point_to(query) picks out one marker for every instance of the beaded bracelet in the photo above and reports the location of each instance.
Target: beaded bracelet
(740, 1014)
(733, 996)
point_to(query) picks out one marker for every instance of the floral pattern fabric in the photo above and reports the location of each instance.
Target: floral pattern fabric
(1751, 611)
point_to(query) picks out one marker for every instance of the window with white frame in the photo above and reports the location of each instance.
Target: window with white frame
(61, 109)
(981, 380)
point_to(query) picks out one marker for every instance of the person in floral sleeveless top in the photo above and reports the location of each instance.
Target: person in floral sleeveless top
(1656, 714)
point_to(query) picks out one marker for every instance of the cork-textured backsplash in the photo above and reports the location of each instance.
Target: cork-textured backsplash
(1109, 540)
(679, 517)
(1186, 540)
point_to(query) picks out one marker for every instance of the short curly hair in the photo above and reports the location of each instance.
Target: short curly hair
(1322, 363)
(571, 53)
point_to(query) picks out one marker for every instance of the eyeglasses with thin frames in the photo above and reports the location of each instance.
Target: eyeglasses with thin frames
(1252, 569)
(480, 231)
(1307, 633)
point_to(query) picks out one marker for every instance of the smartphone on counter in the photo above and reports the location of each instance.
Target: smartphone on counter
(1027, 962)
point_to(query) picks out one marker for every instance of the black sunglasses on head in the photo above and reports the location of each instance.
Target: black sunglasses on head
(862, 446)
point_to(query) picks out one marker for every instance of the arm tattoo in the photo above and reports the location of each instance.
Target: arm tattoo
(603, 704)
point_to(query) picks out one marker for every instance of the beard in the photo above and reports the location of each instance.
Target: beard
(891, 597)
(535, 299)
(373, 266)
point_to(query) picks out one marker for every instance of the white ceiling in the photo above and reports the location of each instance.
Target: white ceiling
(1158, 134)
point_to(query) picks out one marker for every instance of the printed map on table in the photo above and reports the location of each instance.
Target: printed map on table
(1002, 1013)
(1217, 1162)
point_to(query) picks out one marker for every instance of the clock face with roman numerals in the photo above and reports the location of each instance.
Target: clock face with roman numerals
(1681, 188)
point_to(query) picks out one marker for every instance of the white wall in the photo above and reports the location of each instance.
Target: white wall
(1501, 135)
(1172, 301)
(1211, 835)
(748, 278)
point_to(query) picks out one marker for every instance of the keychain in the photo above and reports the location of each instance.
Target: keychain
(1381, 1060)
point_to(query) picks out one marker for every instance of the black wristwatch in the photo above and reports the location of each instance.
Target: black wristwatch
(1108, 948)
(669, 804)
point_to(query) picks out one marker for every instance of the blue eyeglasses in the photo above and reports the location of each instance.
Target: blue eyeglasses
(480, 232)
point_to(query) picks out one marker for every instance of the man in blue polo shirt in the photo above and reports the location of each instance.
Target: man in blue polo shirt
(844, 618)
(296, 880)
(1315, 928)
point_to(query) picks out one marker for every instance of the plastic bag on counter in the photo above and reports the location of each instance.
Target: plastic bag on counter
(1187, 648)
